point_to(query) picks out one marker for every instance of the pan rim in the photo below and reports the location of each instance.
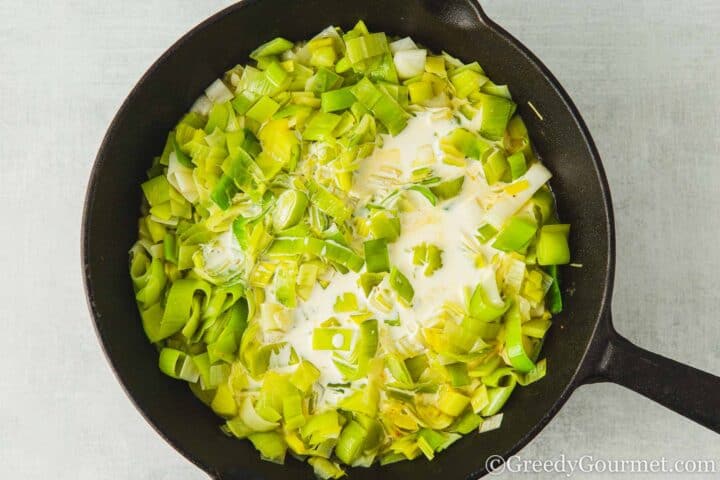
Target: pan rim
(498, 30)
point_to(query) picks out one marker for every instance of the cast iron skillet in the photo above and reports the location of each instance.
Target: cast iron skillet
(582, 346)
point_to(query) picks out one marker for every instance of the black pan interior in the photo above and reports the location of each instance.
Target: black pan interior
(167, 91)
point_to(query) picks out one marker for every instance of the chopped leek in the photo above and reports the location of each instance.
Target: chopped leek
(515, 235)
(384, 225)
(552, 246)
(401, 285)
(376, 256)
(495, 113)
(289, 209)
(275, 46)
(449, 188)
(335, 100)
(332, 339)
(275, 268)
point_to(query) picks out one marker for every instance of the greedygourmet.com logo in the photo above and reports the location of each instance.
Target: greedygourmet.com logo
(589, 464)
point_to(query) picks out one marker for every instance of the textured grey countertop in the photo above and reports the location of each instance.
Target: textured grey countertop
(644, 74)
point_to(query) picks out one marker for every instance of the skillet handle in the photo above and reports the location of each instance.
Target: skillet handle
(681, 388)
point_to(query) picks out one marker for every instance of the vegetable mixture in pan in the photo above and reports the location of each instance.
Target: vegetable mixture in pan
(348, 249)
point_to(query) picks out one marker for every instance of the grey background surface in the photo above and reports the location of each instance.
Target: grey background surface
(644, 74)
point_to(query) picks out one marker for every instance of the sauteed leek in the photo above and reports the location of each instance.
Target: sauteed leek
(349, 250)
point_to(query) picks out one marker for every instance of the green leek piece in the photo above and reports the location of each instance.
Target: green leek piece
(377, 258)
(497, 90)
(419, 254)
(218, 117)
(467, 423)
(401, 285)
(304, 376)
(495, 167)
(495, 114)
(323, 57)
(347, 302)
(536, 328)
(243, 170)
(289, 209)
(321, 127)
(307, 276)
(398, 369)
(368, 281)
(293, 411)
(242, 102)
(514, 341)
(223, 403)
(458, 374)
(463, 142)
(218, 374)
(332, 338)
(321, 427)
(183, 158)
(254, 420)
(384, 224)
(436, 65)
(552, 246)
(151, 283)
(554, 298)
(350, 443)
(428, 441)
(324, 80)
(518, 165)
(277, 75)
(466, 82)
(425, 192)
(237, 428)
(384, 107)
(428, 255)
(177, 364)
(382, 70)
(263, 109)
(431, 441)
(157, 230)
(452, 402)
(485, 232)
(433, 259)
(157, 190)
(328, 202)
(325, 469)
(448, 188)
(420, 92)
(515, 236)
(544, 203)
(365, 47)
(285, 281)
(275, 46)
(497, 397)
(533, 375)
(227, 342)
(479, 399)
(342, 255)
(178, 308)
(283, 246)
(417, 366)
(224, 192)
(335, 100)
(364, 351)
(170, 250)
(482, 308)
(271, 446)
